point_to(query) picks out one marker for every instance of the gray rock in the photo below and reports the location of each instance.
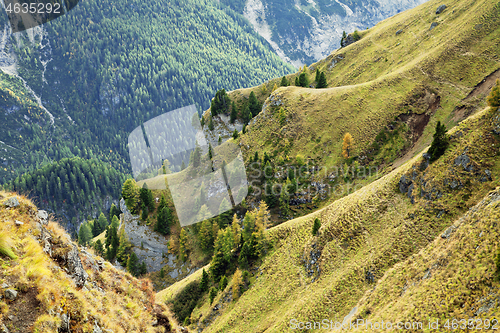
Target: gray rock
(43, 217)
(3, 329)
(347, 41)
(456, 184)
(425, 162)
(447, 233)
(10, 294)
(486, 177)
(64, 323)
(97, 329)
(440, 9)
(464, 161)
(75, 267)
(486, 307)
(11, 202)
(433, 25)
(19, 223)
(427, 274)
(404, 184)
(399, 32)
(4, 285)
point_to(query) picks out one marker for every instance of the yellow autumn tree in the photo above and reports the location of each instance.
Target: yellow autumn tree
(275, 87)
(237, 284)
(347, 145)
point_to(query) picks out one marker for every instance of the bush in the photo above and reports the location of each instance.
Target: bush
(186, 301)
(494, 97)
(356, 35)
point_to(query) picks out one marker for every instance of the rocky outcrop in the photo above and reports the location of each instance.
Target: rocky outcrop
(440, 9)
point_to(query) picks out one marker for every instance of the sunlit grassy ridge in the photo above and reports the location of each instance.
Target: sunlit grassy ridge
(110, 299)
(381, 77)
(362, 236)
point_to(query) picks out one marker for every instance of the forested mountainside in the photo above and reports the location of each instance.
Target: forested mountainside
(80, 84)
(305, 31)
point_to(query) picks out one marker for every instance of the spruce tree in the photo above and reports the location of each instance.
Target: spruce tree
(284, 82)
(205, 280)
(223, 283)
(84, 234)
(235, 134)
(297, 83)
(183, 245)
(322, 81)
(213, 294)
(211, 126)
(247, 115)
(144, 214)
(303, 80)
(163, 221)
(318, 73)
(133, 264)
(234, 113)
(98, 247)
(114, 211)
(440, 142)
(143, 269)
(316, 226)
(253, 104)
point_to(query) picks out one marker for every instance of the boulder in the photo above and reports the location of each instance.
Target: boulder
(404, 184)
(440, 9)
(399, 32)
(19, 223)
(433, 25)
(347, 41)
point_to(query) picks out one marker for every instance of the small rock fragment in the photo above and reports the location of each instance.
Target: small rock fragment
(10, 294)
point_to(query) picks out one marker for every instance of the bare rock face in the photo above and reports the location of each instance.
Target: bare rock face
(75, 267)
(440, 9)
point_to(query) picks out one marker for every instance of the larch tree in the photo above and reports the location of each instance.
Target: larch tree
(347, 145)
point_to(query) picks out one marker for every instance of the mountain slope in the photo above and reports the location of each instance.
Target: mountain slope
(381, 83)
(362, 236)
(48, 284)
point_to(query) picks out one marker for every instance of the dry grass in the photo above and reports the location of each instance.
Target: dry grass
(112, 298)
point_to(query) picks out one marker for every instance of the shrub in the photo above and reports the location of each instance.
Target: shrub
(494, 97)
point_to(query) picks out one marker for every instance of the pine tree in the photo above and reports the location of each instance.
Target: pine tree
(205, 235)
(439, 143)
(112, 243)
(205, 280)
(211, 126)
(317, 75)
(210, 151)
(98, 247)
(347, 145)
(256, 156)
(303, 80)
(163, 221)
(124, 248)
(213, 294)
(162, 273)
(130, 192)
(297, 82)
(322, 81)
(114, 211)
(102, 222)
(144, 215)
(235, 134)
(84, 234)
(183, 166)
(223, 283)
(143, 269)
(132, 264)
(284, 82)
(196, 157)
(494, 96)
(234, 113)
(219, 141)
(244, 255)
(316, 226)
(253, 104)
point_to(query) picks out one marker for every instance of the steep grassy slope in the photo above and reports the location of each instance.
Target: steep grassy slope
(363, 235)
(384, 81)
(455, 277)
(62, 288)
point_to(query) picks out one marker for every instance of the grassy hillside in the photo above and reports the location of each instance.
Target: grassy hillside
(57, 287)
(368, 236)
(385, 82)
